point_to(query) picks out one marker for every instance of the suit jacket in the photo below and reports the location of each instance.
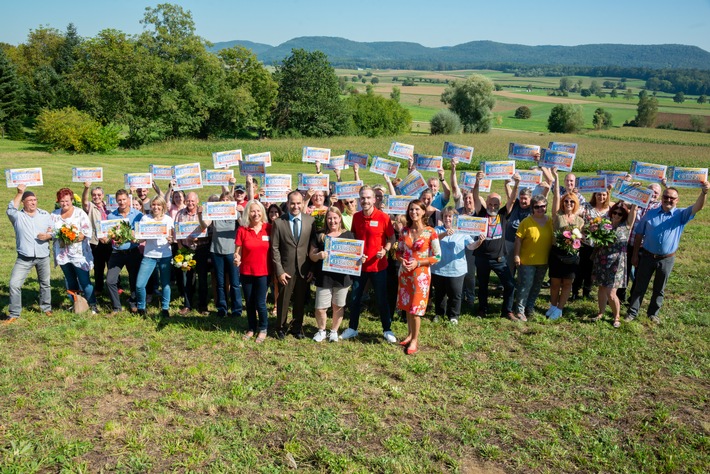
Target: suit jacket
(288, 256)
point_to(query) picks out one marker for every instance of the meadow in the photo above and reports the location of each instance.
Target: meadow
(81, 393)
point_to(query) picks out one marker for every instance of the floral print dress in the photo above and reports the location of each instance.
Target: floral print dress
(609, 263)
(414, 286)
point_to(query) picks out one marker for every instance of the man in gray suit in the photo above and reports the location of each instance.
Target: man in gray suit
(290, 238)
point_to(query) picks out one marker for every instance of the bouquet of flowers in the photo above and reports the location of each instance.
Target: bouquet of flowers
(319, 217)
(184, 260)
(121, 234)
(67, 235)
(599, 232)
(568, 239)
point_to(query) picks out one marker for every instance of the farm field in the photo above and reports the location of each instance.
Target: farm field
(82, 393)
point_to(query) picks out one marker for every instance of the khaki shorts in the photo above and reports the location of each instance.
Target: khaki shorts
(325, 297)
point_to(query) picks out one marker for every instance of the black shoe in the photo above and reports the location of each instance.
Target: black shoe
(545, 284)
(280, 335)
(141, 312)
(298, 335)
(165, 313)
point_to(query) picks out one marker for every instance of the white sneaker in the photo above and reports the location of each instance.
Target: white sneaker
(333, 336)
(454, 321)
(556, 314)
(390, 337)
(320, 336)
(349, 333)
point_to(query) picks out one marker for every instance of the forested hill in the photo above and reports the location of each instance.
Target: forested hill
(402, 55)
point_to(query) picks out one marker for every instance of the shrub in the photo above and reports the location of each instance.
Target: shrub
(523, 112)
(565, 118)
(372, 115)
(445, 122)
(14, 130)
(602, 119)
(71, 130)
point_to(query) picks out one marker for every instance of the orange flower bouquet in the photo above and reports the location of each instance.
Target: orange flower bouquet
(67, 235)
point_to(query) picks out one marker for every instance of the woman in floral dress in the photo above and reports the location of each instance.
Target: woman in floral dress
(609, 263)
(418, 248)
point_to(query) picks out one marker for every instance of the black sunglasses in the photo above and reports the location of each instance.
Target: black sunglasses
(543, 206)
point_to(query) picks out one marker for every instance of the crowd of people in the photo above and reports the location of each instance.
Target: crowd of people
(405, 259)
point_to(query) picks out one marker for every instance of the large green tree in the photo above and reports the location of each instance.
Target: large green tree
(309, 101)
(472, 100)
(565, 118)
(10, 89)
(646, 111)
(373, 115)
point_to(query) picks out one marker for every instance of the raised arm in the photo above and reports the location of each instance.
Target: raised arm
(513, 193)
(390, 186)
(85, 199)
(478, 202)
(157, 190)
(702, 197)
(444, 185)
(555, 191)
(455, 190)
(18, 197)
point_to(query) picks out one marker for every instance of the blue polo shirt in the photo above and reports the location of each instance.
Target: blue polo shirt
(453, 256)
(438, 201)
(661, 230)
(132, 217)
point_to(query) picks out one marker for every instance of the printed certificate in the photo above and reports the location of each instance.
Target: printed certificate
(254, 169)
(397, 204)
(26, 176)
(347, 189)
(152, 230)
(312, 155)
(470, 225)
(277, 181)
(138, 180)
(264, 157)
(529, 178)
(550, 158)
(188, 181)
(226, 159)
(344, 256)
(105, 226)
(401, 150)
(314, 182)
(82, 175)
(612, 176)
(570, 148)
(189, 230)
(687, 177)
(112, 205)
(276, 195)
(360, 159)
(461, 153)
(428, 162)
(647, 171)
(384, 167)
(161, 172)
(413, 184)
(217, 177)
(591, 184)
(220, 210)
(517, 151)
(186, 169)
(632, 194)
(336, 163)
(467, 180)
(498, 169)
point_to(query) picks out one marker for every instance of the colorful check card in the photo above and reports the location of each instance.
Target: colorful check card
(648, 171)
(461, 153)
(413, 184)
(687, 177)
(470, 224)
(570, 148)
(550, 158)
(105, 226)
(226, 159)
(632, 194)
(591, 184)
(82, 175)
(189, 230)
(467, 180)
(313, 182)
(251, 169)
(397, 204)
(26, 176)
(220, 211)
(312, 155)
(360, 159)
(186, 169)
(498, 169)
(517, 151)
(336, 163)
(112, 205)
(384, 167)
(612, 176)
(161, 172)
(529, 178)
(428, 162)
(347, 189)
(277, 181)
(274, 195)
(217, 177)
(188, 181)
(152, 230)
(401, 150)
(138, 180)
(264, 157)
(344, 255)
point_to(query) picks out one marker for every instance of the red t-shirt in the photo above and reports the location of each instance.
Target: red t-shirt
(255, 250)
(375, 230)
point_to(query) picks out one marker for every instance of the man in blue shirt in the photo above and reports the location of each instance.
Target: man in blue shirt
(659, 231)
(33, 231)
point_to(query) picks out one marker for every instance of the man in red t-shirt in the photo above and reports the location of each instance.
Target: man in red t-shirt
(375, 228)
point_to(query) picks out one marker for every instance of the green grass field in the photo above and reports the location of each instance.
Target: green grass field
(82, 393)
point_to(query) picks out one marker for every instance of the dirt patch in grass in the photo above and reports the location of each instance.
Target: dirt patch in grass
(539, 98)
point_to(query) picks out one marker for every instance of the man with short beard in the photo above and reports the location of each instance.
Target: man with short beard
(201, 248)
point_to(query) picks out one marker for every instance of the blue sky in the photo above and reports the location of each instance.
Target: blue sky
(427, 22)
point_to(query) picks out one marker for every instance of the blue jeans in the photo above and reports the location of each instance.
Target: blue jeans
(148, 265)
(22, 268)
(530, 279)
(255, 295)
(225, 263)
(500, 267)
(379, 283)
(77, 279)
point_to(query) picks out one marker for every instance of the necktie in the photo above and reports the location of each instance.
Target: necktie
(296, 233)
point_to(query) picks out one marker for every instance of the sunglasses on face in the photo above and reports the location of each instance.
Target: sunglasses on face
(617, 213)
(568, 201)
(543, 206)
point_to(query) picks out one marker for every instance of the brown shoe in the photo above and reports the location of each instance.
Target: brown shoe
(48, 313)
(511, 317)
(184, 311)
(8, 320)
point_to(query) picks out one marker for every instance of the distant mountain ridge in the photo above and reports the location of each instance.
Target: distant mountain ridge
(404, 55)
